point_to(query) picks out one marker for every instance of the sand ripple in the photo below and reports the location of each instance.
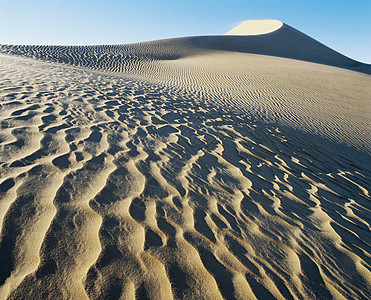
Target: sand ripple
(117, 188)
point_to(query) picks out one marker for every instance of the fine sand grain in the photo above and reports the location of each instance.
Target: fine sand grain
(234, 166)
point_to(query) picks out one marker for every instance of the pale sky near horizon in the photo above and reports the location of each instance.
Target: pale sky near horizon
(342, 25)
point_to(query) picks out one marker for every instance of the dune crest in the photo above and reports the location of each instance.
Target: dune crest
(255, 27)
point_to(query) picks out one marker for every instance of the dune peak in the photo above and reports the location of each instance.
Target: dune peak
(255, 27)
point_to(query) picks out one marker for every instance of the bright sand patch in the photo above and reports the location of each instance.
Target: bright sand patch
(255, 27)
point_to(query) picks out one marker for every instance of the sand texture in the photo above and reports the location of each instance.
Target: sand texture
(216, 167)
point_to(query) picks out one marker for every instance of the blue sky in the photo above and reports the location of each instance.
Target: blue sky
(343, 25)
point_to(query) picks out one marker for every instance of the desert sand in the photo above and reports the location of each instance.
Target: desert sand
(232, 166)
(256, 27)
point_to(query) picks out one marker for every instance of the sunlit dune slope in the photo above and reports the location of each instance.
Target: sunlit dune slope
(255, 27)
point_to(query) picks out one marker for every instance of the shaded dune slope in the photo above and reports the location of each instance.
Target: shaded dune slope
(183, 174)
(284, 42)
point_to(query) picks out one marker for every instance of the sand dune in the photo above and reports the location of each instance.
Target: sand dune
(233, 167)
(273, 84)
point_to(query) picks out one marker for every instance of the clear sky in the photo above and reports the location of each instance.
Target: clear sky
(343, 25)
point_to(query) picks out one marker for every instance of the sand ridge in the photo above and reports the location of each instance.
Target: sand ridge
(255, 27)
(144, 177)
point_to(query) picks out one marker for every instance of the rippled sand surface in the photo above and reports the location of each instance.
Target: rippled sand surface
(200, 174)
